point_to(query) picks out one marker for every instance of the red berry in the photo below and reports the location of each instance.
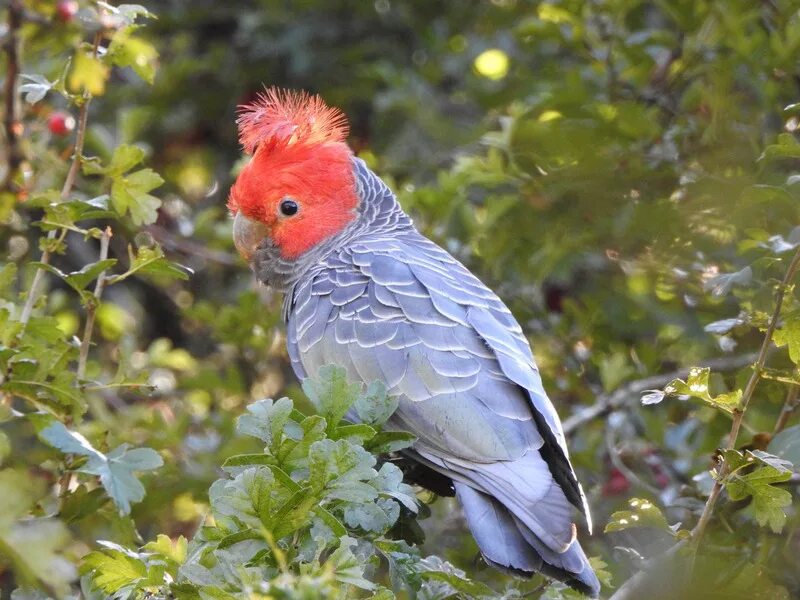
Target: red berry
(66, 10)
(60, 123)
(617, 484)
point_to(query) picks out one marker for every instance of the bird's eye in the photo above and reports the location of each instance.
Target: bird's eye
(289, 207)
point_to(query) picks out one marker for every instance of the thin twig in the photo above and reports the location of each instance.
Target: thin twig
(91, 307)
(173, 242)
(738, 415)
(37, 278)
(633, 390)
(11, 120)
(789, 407)
(636, 586)
(69, 182)
(619, 464)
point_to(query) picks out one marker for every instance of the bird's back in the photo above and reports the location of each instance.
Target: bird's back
(395, 307)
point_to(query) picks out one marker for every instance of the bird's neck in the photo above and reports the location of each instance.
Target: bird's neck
(378, 215)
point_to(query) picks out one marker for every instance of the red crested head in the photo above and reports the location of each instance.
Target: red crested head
(299, 183)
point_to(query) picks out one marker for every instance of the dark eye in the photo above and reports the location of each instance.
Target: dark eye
(289, 207)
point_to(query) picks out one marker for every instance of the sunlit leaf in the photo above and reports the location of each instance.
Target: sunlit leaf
(696, 386)
(128, 50)
(88, 74)
(642, 513)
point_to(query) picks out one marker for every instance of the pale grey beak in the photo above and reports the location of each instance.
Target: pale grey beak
(247, 235)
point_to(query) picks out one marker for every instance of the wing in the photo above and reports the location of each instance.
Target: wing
(403, 311)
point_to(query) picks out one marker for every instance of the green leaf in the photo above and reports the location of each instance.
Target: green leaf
(88, 74)
(786, 146)
(359, 433)
(614, 369)
(151, 261)
(642, 513)
(81, 503)
(34, 548)
(347, 568)
(789, 335)
(390, 441)
(129, 194)
(130, 12)
(127, 50)
(375, 406)
(251, 497)
(17, 494)
(389, 481)
(331, 393)
(248, 460)
(173, 550)
(8, 275)
(125, 157)
(377, 517)
(265, 420)
(31, 546)
(433, 568)
(331, 521)
(112, 570)
(115, 470)
(786, 444)
(696, 386)
(69, 213)
(78, 280)
(339, 468)
(752, 474)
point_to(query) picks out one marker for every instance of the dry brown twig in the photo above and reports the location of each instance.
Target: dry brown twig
(11, 119)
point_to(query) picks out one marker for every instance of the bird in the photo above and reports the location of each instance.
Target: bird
(365, 290)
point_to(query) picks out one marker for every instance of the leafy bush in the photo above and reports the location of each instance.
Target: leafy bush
(307, 518)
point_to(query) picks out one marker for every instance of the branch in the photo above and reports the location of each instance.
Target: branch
(738, 415)
(91, 308)
(788, 408)
(173, 242)
(607, 403)
(636, 586)
(69, 182)
(11, 121)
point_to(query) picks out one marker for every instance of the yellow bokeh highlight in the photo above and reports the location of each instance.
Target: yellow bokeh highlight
(549, 115)
(492, 64)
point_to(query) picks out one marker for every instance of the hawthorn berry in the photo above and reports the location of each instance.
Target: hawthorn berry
(616, 485)
(66, 10)
(60, 123)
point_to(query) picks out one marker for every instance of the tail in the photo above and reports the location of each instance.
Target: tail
(508, 544)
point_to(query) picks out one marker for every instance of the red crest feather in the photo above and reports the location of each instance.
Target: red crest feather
(280, 118)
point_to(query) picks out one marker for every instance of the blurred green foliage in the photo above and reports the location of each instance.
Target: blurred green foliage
(623, 173)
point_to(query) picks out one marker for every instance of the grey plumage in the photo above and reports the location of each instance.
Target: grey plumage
(387, 304)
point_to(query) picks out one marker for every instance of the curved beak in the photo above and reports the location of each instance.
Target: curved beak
(247, 235)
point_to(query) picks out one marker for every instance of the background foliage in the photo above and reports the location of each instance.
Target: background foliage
(623, 173)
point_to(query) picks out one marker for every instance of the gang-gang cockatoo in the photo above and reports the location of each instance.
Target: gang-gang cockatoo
(366, 291)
